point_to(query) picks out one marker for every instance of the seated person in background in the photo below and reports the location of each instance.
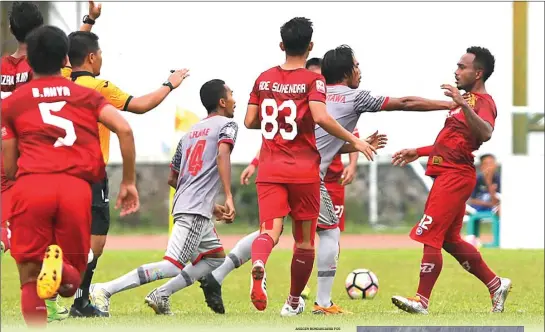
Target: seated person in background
(485, 196)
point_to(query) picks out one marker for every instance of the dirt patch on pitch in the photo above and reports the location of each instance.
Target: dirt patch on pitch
(348, 241)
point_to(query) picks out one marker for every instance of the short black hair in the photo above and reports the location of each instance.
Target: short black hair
(313, 62)
(23, 18)
(484, 60)
(338, 64)
(296, 35)
(47, 47)
(486, 155)
(211, 93)
(81, 44)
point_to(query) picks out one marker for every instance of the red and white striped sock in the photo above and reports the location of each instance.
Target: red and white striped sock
(494, 285)
(423, 300)
(293, 301)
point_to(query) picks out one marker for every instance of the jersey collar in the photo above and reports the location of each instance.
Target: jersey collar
(76, 74)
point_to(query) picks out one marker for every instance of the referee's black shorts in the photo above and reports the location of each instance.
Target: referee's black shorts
(100, 208)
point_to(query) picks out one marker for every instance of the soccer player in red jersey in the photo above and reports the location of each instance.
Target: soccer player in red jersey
(286, 103)
(23, 18)
(50, 141)
(450, 163)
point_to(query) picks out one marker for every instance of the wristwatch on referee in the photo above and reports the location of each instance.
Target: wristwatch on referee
(167, 83)
(88, 20)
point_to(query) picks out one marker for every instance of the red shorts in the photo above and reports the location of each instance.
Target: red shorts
(299, 200)
(6, 205)
(445, 209)
(336, 192)
(51, 209)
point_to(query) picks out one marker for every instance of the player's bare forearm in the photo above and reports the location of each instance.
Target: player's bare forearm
(146, 103)
(353, 159)
(424, 151)
(10, 154)
(251, 121)
(478, 127)
(417, 104)
(348, 148)
(173, 178)
(128, 154)
(224, 167)
(329, 124)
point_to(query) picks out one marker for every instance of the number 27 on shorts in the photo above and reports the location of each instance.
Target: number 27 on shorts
(273, 119)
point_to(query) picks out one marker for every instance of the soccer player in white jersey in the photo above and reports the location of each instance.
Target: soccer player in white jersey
(345, 103)
(201, 162)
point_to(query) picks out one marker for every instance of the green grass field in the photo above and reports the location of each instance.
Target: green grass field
(458, 299)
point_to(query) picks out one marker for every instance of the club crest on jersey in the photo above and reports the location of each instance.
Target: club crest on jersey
(471, 99)
(437, 160)
(320, 86)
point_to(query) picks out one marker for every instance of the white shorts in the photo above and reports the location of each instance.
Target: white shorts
(193, 236)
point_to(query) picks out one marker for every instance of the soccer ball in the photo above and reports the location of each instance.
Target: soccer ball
(361, 284)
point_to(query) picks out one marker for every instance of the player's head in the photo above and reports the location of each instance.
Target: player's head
(339, 66)
(216, 96)
(296, 37)
(488, 162)
(47, 50)
(23, 18)
(315, 65)
(85, 51)
(475, 66)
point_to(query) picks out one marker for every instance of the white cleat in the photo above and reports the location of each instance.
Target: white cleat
(499, 296)
(160, 304)
(409, 304)
(100, 298)
(288, 311)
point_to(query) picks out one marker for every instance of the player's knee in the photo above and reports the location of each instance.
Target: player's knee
(97, 245)
(28, 272)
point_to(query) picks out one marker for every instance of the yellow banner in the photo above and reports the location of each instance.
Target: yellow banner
(183, 121)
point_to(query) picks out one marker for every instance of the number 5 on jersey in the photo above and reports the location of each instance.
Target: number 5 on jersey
(273, 120)
(57, 121)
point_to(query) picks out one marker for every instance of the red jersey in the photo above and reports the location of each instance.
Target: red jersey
(15, 72)
(336, 168)
(454, 146)
(55, 123)
(288, 152)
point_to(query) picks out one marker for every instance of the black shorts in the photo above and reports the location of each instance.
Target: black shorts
(101, 208)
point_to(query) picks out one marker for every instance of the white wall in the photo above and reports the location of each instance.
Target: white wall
(522, 215)
(400, 54)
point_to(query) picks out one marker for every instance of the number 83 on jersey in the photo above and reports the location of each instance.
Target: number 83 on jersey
(275, 117)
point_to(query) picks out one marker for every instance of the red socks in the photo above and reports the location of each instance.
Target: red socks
(32, 307)
(262, 248)
(431, 266)
(301, 269)
(470, 258)
(71, 280)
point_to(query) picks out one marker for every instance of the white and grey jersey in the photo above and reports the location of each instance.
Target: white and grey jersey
(195, 161)
(345, 105)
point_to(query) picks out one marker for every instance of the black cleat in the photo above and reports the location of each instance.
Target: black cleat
(212, 293)
(86, 311)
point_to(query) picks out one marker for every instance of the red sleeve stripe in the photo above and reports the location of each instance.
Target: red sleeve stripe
(172, 168)
(227, 141)
(385, 102)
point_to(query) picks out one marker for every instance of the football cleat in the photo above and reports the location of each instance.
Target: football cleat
(411, 305)
(499, 296)
(288, 311)
(212, 293)
(49, 279)
(258, 288)
(333, 309)
(159, 304)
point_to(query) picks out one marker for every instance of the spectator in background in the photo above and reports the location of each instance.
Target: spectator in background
(485, 196)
